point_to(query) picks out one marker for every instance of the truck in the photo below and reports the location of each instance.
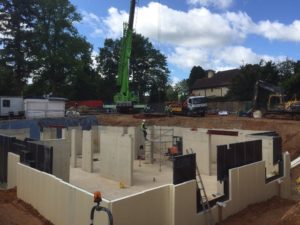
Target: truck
(11, 106)
(192, 105)
(273, 103)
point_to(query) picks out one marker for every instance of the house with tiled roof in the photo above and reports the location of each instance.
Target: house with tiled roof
(215, 84)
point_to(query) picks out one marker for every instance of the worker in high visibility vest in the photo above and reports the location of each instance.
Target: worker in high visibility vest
(144, 129)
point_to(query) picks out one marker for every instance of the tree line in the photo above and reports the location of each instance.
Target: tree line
(42, 52)
(285, 74)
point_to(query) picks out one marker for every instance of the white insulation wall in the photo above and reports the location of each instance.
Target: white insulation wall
(64, 204)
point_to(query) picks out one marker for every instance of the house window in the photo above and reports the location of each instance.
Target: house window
(6, 103)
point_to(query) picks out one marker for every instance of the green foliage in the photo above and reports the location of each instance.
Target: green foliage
(242, 87)
(292, 83)
(40, 42)
(148, 72)
(196, 73)
(15, 54)
(108, 68)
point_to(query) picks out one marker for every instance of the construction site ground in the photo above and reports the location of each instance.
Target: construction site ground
(275, 211)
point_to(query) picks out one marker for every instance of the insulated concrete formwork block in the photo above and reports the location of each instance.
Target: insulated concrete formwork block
(232, 204)
(285, 186)
(53, 200)
(132, 131)
(146, 208)
(267, 156)
(95, 140)
(61, 157)
(48, 133)
(184, 203)
(13, 160)
(87, 153)
(78, 140)
(198, 141)
(116, 158)
(76, 145)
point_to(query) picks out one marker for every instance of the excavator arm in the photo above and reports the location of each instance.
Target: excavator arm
(260, 84)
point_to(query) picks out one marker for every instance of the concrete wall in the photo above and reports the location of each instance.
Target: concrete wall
(185, 208)
(95, 139)
(13, 160)
(48, 133)
(198, 141)
(59, 202)
(248, 186)
(63, 203)
(87, 151)
(76, 144)
(61, 156)
(137, 139)
(146, 208)
(116, 157)
(20, 134)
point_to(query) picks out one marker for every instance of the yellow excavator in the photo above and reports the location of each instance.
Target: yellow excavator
(278, 106)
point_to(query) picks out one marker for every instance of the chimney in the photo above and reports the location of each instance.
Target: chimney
(210, 73)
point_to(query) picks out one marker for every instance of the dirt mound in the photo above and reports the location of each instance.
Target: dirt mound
(14, 211)
(289, 130)
(275, 211)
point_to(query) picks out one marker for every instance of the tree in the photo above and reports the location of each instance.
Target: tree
(196, 73)
(15, 54)
(148, 73)
(108, 68)
(292, 83)
(242, 87)
(62, 56)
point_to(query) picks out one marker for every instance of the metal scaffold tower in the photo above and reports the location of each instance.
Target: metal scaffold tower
(162, 138)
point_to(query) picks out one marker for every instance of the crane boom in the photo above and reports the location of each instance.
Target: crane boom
(124, 99)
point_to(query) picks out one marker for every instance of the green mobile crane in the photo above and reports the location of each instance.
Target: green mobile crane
(125, 99)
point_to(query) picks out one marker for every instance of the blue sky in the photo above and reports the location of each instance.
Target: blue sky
(214, 34)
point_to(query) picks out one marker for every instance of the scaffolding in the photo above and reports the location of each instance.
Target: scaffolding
(161, 137)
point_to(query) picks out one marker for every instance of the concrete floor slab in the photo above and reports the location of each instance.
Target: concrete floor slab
(145, 176)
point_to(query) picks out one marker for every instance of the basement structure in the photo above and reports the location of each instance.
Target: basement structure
(140, 181)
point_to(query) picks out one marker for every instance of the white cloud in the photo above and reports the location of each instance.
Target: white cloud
(217, 59)
(93, 22)
(195, 28)
(188, 57)
(199, 36)
(279, 31)
(221, 4)
(114, 22)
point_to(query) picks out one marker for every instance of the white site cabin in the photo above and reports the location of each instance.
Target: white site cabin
(11, 106)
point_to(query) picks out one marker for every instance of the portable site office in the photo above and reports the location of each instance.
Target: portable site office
(11, 106)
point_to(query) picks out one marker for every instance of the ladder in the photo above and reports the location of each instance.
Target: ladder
(203, 197)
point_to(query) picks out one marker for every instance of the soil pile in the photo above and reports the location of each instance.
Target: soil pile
(14, 211)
